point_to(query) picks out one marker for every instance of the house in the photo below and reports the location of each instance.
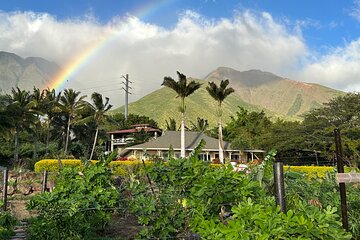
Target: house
(120, 138)
(171, 139)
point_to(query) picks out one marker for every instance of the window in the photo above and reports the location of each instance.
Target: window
(204, 156)
(235, 156)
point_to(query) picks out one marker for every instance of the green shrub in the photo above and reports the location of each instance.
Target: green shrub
(7, 223)
(189, 197)
(323, 192)
(80, 204)
(265, 221)
(185, 188)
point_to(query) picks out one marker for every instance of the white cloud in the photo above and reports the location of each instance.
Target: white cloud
(339, 69)
(194, 46)
(355, 10)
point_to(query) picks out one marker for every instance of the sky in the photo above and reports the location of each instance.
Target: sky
(96, 43)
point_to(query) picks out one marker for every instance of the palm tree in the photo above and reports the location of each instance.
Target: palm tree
(171, 125)
(37, 101)
(50, 109)
(183, 90)
(201, 125)
(99, 109)
(22, 114)
(71, 103)
(6, 123)
(219, 93)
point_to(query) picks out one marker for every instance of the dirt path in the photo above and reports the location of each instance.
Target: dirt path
(20, 231)
(18, 210)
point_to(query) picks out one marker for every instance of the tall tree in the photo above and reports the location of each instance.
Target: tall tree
(246, 129)
(99, 107)
(183, 90)
(37, 103)
(22, 113)
(342, 112)
(6, 123)
(71, 103)
(219, 93)
(50, 109)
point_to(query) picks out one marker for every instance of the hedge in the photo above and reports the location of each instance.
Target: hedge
(119, 167)
(313, 171)
(123, 167)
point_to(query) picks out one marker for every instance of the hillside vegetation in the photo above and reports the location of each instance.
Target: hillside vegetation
(254, 90)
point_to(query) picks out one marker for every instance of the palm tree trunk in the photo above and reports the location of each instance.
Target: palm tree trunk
(16, 143)
(67, 136)
(47, 138)
(94, 144)
(36, 140)
(35, 146)
(182, 141)
(221, 151)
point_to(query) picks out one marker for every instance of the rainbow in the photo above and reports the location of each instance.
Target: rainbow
(80, 60)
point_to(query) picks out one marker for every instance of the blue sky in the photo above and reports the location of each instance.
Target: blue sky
(325, 23)
(312, 41)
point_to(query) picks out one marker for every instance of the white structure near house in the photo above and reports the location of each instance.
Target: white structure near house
(120, 138)
(171, 139)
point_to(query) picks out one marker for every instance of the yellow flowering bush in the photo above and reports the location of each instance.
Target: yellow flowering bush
(313, 171)
(120, 168)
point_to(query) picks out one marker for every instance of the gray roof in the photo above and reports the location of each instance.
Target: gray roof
(172, 138)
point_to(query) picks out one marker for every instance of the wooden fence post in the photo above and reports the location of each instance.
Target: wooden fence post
(279, 185)
(44, 182)
(340, 167)
(5, 187)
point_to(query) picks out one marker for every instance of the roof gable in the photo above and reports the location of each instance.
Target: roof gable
(172, 138)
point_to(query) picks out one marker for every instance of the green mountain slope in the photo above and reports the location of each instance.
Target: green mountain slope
(277, 94)
(162, 104)
(254, 90)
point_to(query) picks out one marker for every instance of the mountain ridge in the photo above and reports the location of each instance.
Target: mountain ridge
(255, 90)
(25, 73)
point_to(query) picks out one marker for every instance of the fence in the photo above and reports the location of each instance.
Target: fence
(19, 184)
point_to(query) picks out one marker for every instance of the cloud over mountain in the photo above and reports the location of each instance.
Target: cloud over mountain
(148, 52)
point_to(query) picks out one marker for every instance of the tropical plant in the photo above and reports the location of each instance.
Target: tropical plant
(80, 204)
(50, 109)
(118, 121)
(171, 125)
(183, 90)
(251, 220)
(7, 224)
(22, 114)
(201, 125)
(37, 103)
(5, 118)
(247, 128)
(219, 93)
(71, 103)
(99, 108)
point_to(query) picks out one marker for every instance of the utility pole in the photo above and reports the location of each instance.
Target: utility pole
(126, 89)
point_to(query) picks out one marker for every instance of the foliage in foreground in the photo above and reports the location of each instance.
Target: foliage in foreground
(265, 221)
(80, 204)
(7, 223)
(189, 197)
(323, 192)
